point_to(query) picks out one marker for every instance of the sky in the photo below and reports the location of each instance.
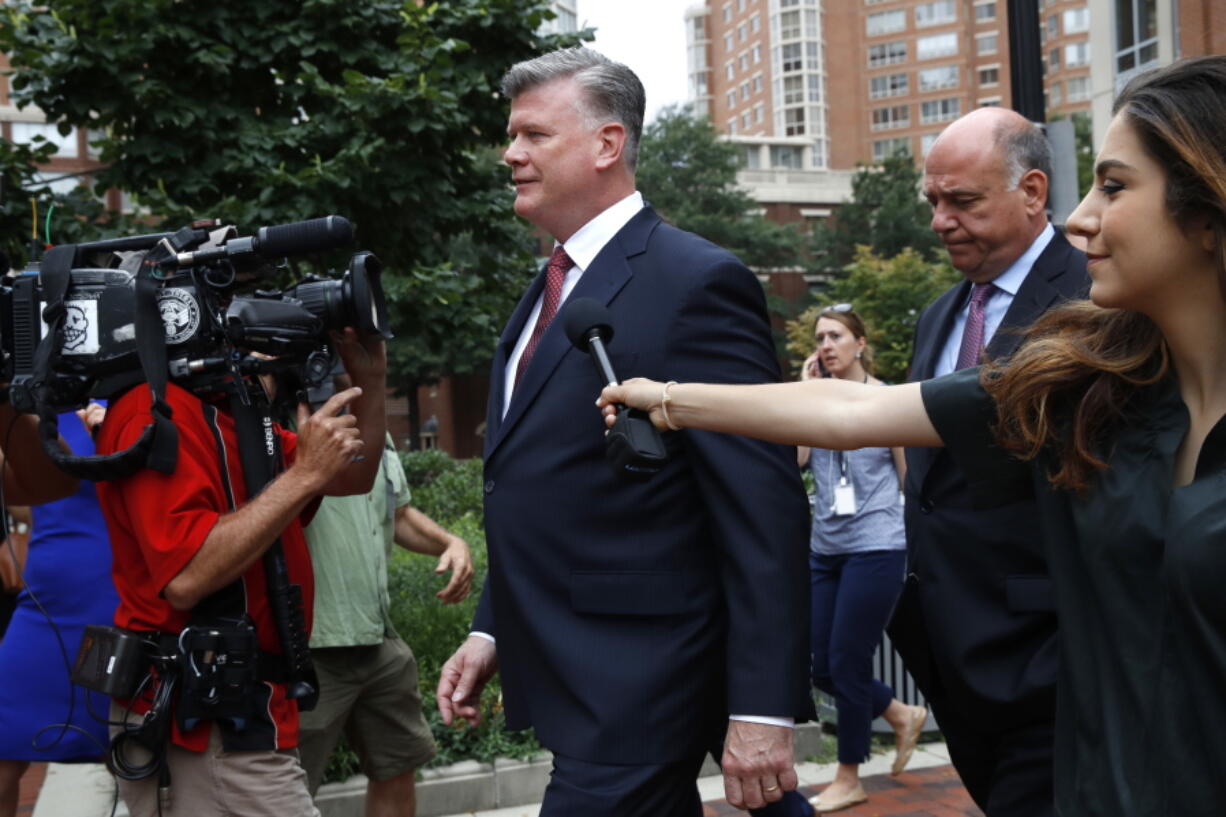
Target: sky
(646, 35)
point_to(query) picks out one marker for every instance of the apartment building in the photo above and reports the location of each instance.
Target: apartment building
(1130, 36)
(844, 82)
(757, 69)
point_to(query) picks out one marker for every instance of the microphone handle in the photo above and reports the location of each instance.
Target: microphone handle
(601, 358)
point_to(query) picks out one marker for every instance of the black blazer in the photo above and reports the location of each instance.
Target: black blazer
(976, 623)
(631, 618)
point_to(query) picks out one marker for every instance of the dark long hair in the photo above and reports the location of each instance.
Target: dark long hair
(1068, 386)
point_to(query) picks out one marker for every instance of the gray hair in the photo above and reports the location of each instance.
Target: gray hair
(1024, 149)
(610, 89)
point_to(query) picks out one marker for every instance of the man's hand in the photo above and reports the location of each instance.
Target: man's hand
(363, 356)
(459, 561)
(463, 678)
(758, 764)
(327, 440)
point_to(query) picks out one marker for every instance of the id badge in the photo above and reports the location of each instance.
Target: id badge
(844, 498)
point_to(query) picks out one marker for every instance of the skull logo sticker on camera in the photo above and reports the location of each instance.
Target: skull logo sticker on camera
(76, 328)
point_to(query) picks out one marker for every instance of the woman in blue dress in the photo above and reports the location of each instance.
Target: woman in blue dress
(68, 573)
(857, 557)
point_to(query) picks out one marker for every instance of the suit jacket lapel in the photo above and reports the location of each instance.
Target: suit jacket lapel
(506, 343)
(1034, 297)
(930, 348)
(602, 280)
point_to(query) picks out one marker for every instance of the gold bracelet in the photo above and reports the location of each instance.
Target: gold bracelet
(665, 399)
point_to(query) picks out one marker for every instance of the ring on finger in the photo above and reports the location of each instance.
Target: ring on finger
(771, 788)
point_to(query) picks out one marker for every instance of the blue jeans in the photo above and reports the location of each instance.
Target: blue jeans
(851, 599)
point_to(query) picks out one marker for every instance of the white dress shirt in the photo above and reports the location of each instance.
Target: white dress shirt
(1007, 285)
(582, 247)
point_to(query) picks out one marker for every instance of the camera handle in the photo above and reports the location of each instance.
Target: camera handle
(260, 451)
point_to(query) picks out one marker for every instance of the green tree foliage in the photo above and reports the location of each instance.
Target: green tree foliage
(263, 112)
(889, 293)
(885, 213)
(689, 175)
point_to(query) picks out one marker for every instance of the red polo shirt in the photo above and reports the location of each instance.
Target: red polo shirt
(158, 521)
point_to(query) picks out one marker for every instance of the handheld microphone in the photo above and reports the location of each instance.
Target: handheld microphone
(633, 445)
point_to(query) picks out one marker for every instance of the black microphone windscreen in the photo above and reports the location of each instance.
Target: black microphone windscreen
(582, 316)
(302, 237)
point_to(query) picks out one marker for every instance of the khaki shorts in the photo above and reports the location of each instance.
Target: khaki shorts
(217, 783)
(370, 694)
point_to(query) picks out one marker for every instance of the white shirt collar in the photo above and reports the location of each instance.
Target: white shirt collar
(591, 238)
(1011, 279)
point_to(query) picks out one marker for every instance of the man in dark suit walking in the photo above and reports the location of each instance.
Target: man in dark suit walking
(976, 625)
(635, 624)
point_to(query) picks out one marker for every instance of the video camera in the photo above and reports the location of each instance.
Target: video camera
(101, 317)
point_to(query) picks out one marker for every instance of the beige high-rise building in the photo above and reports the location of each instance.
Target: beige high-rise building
(836, 83)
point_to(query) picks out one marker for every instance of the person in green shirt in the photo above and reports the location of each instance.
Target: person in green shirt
(367, 674)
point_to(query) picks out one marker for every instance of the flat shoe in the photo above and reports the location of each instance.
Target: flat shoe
(854, 797)
(908, 738)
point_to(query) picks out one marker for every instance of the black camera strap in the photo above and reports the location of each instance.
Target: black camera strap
(158, 445)
(259, 448)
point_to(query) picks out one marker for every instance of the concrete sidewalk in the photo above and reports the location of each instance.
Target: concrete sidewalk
(929, 788)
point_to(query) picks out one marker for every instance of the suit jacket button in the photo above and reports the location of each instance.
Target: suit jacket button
(489, 486)
(926, 506)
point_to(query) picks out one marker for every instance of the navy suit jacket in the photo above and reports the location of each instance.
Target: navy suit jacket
(976, 623)
(631, 618)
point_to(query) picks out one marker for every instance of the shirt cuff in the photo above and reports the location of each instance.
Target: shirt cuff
(486, 636)
(769, 720)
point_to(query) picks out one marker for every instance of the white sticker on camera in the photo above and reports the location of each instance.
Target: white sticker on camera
(844, 498)
(80, 327)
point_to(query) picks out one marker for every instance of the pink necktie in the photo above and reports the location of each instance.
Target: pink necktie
(971, 351)
(555, 274)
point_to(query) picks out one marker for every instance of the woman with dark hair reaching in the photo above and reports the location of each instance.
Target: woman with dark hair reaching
(1111, 415)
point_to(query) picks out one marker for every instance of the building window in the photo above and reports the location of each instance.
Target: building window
(740, 6)
(892, 117)
(888, 85)
(1076, 20)
(1076, 54)
(732, 99)
(730, 70)
(744, 91)
(728, 46)
(745, 62)
(789, 25)
(742, 32)
(1053, 60)
(940, 110)
(936, 13)
(985, 44)
(732, 126)
(927, 141)
(989, 76)
(757, 54)
(794, 122)
(1053, 25)
(887, 54)
(1054, 94)
(757, 84)
(727, 12)
(755, 23)
(885, 22)
(65, 145)
(745, 120)
(935, 79)
(985, 12)
(937, 45)
(758, 114)
(793, 57)
(1136, 35)
(787, 157)
(1078, 89)
(885, 148)
(793, 90)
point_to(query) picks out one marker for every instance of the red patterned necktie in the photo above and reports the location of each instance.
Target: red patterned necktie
(971, 351)
(555, 274)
